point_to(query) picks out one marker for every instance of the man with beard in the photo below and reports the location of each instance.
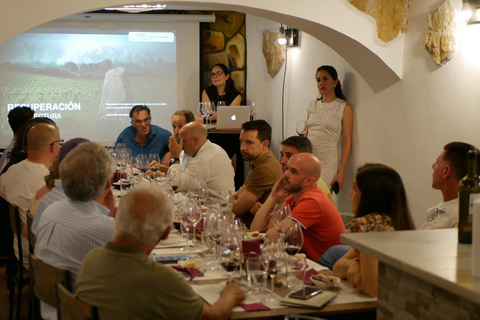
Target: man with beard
(265, 170)
(320, 220)
(208, 161)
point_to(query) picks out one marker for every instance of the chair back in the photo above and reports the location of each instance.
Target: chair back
(44, 279)
(32, 239)
(70, 308)
(16, 226)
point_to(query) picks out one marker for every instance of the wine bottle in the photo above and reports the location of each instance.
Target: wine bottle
(469, 191)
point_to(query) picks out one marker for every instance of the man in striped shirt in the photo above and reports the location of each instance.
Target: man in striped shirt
(70, 228)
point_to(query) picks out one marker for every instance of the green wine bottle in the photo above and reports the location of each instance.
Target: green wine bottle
(468, 191)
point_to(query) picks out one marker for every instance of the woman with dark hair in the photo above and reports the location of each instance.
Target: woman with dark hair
(328, 118)
(222, 88)
(379, 202)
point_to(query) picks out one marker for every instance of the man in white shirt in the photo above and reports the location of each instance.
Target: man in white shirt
(449, 168)
(21, 182)
(209, 162)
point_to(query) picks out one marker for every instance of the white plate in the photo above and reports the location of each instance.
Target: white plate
(255, 235)
(194, 263)
(328, 282)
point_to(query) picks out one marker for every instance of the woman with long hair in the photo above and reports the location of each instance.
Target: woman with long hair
(379, 202)
(328, 118)
(222, 88)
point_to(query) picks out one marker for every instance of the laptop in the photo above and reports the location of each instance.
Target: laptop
(230, 117)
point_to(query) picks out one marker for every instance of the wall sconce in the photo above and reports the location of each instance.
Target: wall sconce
(471, 11)
(288, 36)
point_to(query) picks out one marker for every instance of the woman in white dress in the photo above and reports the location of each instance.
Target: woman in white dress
(328, 118)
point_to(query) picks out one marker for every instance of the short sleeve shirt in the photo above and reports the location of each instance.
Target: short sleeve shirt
(157, 141)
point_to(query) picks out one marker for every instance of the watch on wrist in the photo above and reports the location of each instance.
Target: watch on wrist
(173, 160)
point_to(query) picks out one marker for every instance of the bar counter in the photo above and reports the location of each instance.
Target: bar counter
(422, 274)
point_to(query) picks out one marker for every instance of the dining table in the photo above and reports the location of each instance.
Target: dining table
(209, 284)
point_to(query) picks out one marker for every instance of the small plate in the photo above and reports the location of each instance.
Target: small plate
(322, 281)
(255, 235)
(194, 263)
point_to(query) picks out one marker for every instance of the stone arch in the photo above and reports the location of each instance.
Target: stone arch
(380, 65)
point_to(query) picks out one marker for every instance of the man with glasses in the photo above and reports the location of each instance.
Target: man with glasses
(142, 137)
(21, 182)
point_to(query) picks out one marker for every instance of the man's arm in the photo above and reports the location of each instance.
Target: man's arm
(222, 309)
(245, 201)
(262, 217)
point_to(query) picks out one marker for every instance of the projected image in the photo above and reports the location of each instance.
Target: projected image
(87, 83)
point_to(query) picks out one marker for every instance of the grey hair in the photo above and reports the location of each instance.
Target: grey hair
(85, 171)
(144, 214)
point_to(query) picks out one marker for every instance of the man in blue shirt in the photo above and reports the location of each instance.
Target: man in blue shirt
(142, 136)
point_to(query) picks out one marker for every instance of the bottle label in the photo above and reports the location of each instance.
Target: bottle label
(473, 197)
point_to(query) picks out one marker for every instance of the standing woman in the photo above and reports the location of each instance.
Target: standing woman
(222, 88)
(328, 117)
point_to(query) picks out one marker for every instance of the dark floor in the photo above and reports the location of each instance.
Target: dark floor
(4, 305)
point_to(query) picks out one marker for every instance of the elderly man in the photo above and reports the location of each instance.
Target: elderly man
(208, 161)
(70, 228)
(155, 291)
(142, 136)
(294, 145)
(264, 171)
(21, 182)
(16, 118)
(320, 220)
(449, 168)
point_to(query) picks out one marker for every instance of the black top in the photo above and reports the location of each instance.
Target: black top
(228, 97)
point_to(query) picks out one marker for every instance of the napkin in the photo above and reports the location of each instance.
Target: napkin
(258, 306)
(191, 271)
(308, 274)
(298, 266)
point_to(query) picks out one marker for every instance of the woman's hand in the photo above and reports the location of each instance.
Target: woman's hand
(340, 179)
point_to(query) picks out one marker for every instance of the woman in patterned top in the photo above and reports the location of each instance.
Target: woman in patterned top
(379, 202)
(328, 118)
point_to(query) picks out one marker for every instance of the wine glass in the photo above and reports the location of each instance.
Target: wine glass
(273, 258)
(253, 110)
(301, 127)
(230, 253)
(280, 212)
(198, 190)
(202, 111)
(221, 104)
(175, 176)
(208, 109)
(191, 214)
(293, 241)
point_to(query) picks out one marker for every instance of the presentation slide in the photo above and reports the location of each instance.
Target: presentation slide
(88, 80)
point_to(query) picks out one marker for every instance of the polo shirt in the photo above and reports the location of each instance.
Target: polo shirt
(157, 141)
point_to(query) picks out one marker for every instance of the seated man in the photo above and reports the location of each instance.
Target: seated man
(179, 119)
(208, 161)
(294, 145)
(320, 220)
(124, 283)
(142, 136)
(265, 170)
(21, 182)
(68, 229)
(449, 168)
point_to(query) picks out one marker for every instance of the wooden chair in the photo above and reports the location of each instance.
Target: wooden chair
(17, 278)
(32, 239)
(70, 308)
(43, 283)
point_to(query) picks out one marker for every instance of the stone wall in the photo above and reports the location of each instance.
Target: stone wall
(405, 297)
(224, 41)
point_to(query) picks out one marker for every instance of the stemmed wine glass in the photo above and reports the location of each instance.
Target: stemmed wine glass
(280, 212)
(175, 176)
(230, 253)
(198, 191)
(293, 241)
(191, 214)
(153, 162)
(273, 258)
(141, 162)
(301, 127)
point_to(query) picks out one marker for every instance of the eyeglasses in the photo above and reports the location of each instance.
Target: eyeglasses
(60, 142)
(216, 74)
(140, 122)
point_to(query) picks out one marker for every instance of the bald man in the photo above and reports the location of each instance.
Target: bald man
(320, 220)
(21, 182)
(208, 161)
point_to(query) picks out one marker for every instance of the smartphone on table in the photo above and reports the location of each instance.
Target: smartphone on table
(305, 293)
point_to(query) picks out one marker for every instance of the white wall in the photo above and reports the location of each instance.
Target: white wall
(404, 126)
